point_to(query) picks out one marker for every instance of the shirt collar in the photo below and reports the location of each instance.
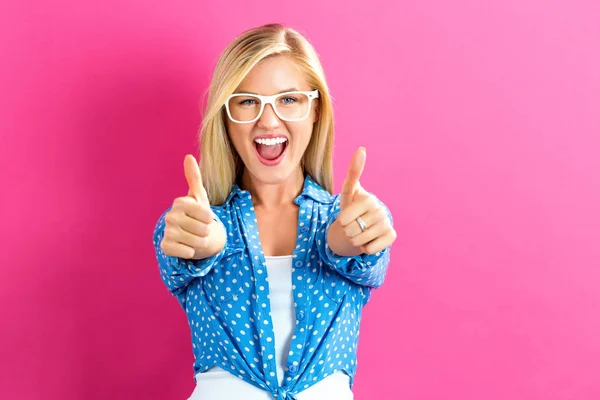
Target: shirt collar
(311, 189)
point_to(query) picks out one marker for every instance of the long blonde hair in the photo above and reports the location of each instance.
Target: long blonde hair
(220, 165)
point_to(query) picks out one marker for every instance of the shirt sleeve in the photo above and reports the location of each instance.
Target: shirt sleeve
(364, 269)
(177, 272)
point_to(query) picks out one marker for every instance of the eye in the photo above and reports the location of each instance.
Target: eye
(289, 100)
(247, 102)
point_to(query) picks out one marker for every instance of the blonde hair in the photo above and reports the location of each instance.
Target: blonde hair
(220, 165)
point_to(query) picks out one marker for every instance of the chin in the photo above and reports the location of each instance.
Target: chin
(272, 175)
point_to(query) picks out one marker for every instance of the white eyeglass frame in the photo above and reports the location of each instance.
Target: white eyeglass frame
(264, 100)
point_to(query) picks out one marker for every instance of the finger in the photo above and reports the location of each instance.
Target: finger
(177, 235)
(381, 243)
(175, 249)
(362, 204)
(194, 178)
(194, 227)
(375, 231)
(370, 219)
(191, 240)
(193, 209)
(357, 165)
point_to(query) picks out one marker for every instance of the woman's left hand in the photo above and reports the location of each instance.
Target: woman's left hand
(357, 205)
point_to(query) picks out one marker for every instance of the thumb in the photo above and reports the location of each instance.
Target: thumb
(194, 179)
(351, 183)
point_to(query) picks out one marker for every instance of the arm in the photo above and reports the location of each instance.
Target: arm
(177, 272)
(354, 264)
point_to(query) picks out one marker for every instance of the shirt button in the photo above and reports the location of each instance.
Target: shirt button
(300, 315)
(299, 264)
(304, 229)
(292, 368)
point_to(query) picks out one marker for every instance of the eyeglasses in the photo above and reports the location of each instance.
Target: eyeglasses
(245, 108)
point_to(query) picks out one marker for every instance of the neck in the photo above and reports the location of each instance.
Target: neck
(271, 195)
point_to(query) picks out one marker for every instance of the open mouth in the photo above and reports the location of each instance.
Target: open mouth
(271, 151)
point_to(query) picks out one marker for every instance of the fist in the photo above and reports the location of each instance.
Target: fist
(188, 222)
(365, 222)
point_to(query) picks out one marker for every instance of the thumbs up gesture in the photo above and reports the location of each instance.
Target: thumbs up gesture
(363, 225)
(190, 230)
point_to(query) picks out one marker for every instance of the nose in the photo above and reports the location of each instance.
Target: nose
(268, 119)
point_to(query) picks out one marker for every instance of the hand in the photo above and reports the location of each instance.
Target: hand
(188, 223)
(357, 202)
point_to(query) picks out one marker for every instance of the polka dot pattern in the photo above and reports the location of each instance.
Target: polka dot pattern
(226, 300)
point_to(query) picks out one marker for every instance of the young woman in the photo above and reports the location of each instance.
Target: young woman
(271, 268)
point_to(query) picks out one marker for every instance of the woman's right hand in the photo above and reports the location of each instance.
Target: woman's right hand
(190, 230)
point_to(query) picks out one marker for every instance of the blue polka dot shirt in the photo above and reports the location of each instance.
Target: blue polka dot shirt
(226, 296)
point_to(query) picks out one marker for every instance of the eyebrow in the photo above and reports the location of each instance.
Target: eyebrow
(293, 89)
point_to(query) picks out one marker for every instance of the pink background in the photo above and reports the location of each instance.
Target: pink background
(481, 122)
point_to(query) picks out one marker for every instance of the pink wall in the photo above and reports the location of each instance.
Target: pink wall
(481, 121)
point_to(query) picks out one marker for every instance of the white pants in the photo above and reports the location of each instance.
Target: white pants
(218, 384)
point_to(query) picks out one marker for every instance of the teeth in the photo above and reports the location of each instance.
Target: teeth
(271, 142)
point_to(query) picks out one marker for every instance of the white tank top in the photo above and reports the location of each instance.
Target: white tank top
(218, 384)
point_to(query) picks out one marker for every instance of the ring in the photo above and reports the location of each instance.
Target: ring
(361, 223)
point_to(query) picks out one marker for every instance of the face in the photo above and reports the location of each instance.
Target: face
(272, 76)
